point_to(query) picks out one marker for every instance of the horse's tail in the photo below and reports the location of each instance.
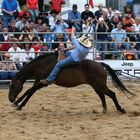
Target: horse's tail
(116, 81)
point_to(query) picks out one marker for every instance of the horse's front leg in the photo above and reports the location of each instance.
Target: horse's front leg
(29, 94)
(15, 104)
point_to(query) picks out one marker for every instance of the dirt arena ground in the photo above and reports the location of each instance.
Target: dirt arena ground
(57, 113)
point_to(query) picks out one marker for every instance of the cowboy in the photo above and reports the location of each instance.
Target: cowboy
(80, 51)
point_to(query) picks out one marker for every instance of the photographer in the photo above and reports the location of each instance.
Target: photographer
(59, 26)
(88, 27)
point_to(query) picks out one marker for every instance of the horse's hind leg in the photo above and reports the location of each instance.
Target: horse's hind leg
(112, 95)
(100, 93)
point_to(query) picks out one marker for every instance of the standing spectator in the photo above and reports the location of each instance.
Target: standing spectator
(99, 12)
(110, 13)
(88, 27)
(86, 13)
(119, 38)
(74, 18)
(32, 5)
(102, 28)
(9, 8)
(56, 5)
(51, 17)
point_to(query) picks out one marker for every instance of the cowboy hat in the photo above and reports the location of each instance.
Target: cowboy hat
(84, 40)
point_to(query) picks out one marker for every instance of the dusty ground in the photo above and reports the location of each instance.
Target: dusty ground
(57, 113)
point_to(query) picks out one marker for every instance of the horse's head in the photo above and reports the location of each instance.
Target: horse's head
(16, 87)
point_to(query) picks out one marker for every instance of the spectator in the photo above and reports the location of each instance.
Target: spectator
(1, 26)
(39, 24)
(48, 37)
(85, 14)
(51, 17)
(32, 5)
(119, 38)
(9, 8)
(13, 28)
(99, 12)
(14, 54)
(7, 70)
(101, 26)
(36, 45)
(56, 5)
(24, 11)
(74, 18)
(4, 35)
(25, 33)
(88, 27)
(59, 27)
(5, 46)
(32, 29)
(128, 11)
(110, 13)
(116, 18)
(22, 22)
(28, 52)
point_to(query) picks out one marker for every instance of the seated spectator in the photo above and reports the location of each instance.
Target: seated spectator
(33, 8)
(4, 35)
(25, 33)
(13, 28)
(101, 26)
(9, 8)
(24, 11)
(128, 11)
(74, 18)
(7, 70)
(38, 25)
(36, 45)
(28, 52)
(119, 38)
(14, 54)
(32, 29)
(23, 22)
(56, 5)
(87, 13)
(88, 27)
(48, 38)
(1, 26)
(59, 27)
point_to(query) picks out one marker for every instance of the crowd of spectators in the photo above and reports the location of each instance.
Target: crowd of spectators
(37, 31)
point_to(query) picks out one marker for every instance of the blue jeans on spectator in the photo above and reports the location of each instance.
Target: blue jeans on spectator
(7, 19)
(101, 46)
(68, 60)
(125, 46)
(34, 14)
(7, 75)
(77, 27)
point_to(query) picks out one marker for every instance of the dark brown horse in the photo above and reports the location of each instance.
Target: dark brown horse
(84, 72)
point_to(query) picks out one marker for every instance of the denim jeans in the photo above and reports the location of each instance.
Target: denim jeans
(34, 14)
(68, 60)
(7, 75)
(6, 20)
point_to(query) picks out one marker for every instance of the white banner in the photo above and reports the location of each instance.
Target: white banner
(128, 67)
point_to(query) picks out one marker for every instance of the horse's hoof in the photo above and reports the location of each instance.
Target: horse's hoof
(14, 105)
(123, 110)
(18, 108)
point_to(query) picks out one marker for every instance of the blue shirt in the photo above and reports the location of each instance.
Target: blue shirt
(119, 35)
(74, 16)
(79, 52)
(9, 5)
